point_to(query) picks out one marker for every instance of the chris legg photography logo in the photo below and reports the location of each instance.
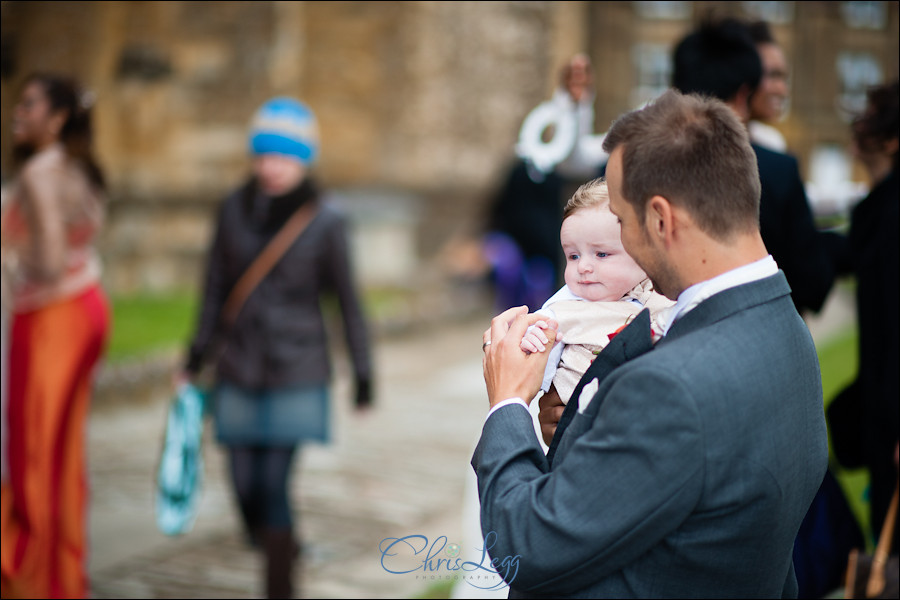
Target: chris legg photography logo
(440, 560)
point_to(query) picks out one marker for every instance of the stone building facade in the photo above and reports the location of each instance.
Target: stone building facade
(419, 102)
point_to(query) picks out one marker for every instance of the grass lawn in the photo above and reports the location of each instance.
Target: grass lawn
(838, 359)
(147, 324)
(437, 590)
(144, 324)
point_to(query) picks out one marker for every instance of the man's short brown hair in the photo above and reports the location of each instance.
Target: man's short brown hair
(693, 151)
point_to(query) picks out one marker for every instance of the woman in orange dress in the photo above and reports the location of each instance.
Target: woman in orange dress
(52, 214)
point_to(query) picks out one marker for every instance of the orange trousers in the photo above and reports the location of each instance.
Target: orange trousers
(52, 354)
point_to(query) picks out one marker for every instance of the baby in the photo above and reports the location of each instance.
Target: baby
(604, 290)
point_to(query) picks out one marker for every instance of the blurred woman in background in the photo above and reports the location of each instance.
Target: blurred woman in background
(52, 214)
(271, 358)
(874, 261)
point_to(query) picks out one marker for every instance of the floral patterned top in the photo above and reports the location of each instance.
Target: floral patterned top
(51, 216)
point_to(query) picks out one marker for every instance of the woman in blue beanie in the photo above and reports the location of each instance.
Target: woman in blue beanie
(270, 354)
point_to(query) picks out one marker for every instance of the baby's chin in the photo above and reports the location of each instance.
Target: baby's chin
(595, 292)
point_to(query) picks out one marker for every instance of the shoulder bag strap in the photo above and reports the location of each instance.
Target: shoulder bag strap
(266, 259)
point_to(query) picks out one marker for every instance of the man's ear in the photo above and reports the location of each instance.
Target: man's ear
(741, 102)
(659, 219)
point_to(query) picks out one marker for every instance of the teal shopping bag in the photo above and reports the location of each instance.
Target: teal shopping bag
(180, 473)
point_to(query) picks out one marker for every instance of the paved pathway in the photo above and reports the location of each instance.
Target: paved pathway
(398, 470)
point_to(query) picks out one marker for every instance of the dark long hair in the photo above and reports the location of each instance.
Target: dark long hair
(66, 94)
(880, 121)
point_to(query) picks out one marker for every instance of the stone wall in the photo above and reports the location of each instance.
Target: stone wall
(419, 103)
(415, 99)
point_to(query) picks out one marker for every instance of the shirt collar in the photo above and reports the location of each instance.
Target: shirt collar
(697, 293)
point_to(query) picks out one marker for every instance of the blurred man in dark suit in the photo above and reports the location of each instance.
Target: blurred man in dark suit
(720, 59)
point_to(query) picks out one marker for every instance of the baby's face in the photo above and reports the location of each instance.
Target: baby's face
(597, 266)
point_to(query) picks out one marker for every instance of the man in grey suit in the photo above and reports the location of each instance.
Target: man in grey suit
(688, 472)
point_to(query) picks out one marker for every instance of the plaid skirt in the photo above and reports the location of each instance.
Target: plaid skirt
(271, 417)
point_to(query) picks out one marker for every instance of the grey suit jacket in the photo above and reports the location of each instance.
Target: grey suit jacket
(687, 475)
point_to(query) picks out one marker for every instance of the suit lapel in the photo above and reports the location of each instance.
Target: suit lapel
(727, 303)
(630, 343)
(636, 339)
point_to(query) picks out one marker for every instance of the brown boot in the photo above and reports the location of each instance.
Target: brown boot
(279, 550)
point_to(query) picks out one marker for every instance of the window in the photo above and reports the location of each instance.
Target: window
(777, 13)
(857, 71)
(865, 15)
(653, 65)
(663, 10)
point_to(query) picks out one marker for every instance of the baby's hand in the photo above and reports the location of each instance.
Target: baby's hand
(534, 339)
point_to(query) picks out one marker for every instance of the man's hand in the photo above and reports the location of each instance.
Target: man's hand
(551, 410)
(508, 371)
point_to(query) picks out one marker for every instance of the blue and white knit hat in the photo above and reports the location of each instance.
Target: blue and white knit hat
(287, 127)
